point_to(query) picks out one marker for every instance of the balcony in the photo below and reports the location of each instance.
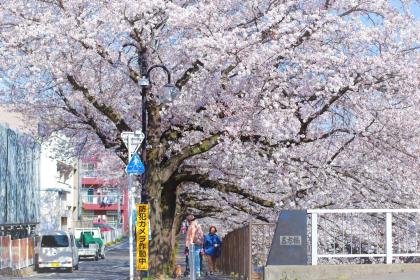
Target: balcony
(106, 202)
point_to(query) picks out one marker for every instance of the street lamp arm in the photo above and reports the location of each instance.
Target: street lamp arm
(159, 66)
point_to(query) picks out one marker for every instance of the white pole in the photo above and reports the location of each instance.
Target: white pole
(388, 238)
(130, 225)
(130, 213)
(314, 238)
(192, 262)
(27, 252)
(10, 252)
(18, 264)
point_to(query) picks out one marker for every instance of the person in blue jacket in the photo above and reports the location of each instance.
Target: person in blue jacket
(212, 248)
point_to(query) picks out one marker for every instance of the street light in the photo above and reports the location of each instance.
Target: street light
(169, 91)
(168, 94)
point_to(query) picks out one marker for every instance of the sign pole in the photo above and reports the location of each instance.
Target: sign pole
(133, 141)
(130, 213)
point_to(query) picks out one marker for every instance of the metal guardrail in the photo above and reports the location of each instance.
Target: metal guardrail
(364, 233)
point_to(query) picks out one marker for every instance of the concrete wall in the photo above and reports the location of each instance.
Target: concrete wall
(30, 183)
(336, 272)
(19, 177)
(58, 189)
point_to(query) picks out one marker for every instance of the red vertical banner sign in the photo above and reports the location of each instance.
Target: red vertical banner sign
(142, 237)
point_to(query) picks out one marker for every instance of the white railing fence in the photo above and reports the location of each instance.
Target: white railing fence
(102, 199)
(368, 234)
(112, 235)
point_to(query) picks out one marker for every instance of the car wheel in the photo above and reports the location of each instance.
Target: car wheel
(70, 270)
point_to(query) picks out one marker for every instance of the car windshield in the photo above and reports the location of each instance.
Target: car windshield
(49, 241)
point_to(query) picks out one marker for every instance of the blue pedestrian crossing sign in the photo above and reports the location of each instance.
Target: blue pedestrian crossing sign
(135, 166)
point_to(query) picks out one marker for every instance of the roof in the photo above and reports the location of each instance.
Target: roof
(16, 121)
(57, 232)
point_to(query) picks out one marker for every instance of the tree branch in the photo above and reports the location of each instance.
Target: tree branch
(203, 146)
(86, 119)
(269, 146)
(106, 110)
(188, 74)
(175, 132)
(102, 52)
(348, 142)
(206, 183)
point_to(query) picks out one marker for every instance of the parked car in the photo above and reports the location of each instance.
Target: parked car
(97, 238)
(87, 249)
(56, 250)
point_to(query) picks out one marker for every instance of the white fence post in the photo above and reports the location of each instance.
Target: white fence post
(314, 235)
(388, 238)
(1, 252)
(10, 252)
(19, 256)
(27, 251)
(191, 259)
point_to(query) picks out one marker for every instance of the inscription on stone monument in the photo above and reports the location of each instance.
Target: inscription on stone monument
(290, 240)
(289, 246)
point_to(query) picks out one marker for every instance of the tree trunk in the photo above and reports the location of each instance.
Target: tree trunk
(164, 226)
(162, 202)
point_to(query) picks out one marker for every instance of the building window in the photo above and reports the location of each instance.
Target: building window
(88, 170)
(63, 196)
(64, 172)
(64, 223)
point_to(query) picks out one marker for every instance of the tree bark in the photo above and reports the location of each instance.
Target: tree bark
(164, 225)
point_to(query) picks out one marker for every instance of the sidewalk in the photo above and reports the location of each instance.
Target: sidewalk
(216, 277)
(180, 260)
(394, 276)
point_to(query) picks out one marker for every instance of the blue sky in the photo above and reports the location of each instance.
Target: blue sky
(414, 7)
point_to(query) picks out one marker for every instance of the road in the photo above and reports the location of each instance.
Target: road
(114, 267)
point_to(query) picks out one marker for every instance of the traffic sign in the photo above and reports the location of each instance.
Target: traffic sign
(142, 231)
(135, 166)
(132, 139)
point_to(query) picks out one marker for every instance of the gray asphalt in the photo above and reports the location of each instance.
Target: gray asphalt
(114, 267)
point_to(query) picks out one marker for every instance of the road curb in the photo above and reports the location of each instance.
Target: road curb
(110, 248)
(26, 271)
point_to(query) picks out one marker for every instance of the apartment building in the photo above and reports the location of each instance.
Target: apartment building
(102, 200)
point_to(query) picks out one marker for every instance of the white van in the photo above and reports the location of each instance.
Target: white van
(57, 250)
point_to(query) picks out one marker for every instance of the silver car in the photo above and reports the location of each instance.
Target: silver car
(57, 250)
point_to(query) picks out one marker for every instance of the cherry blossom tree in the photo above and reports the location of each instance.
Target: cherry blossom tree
(283, 104)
